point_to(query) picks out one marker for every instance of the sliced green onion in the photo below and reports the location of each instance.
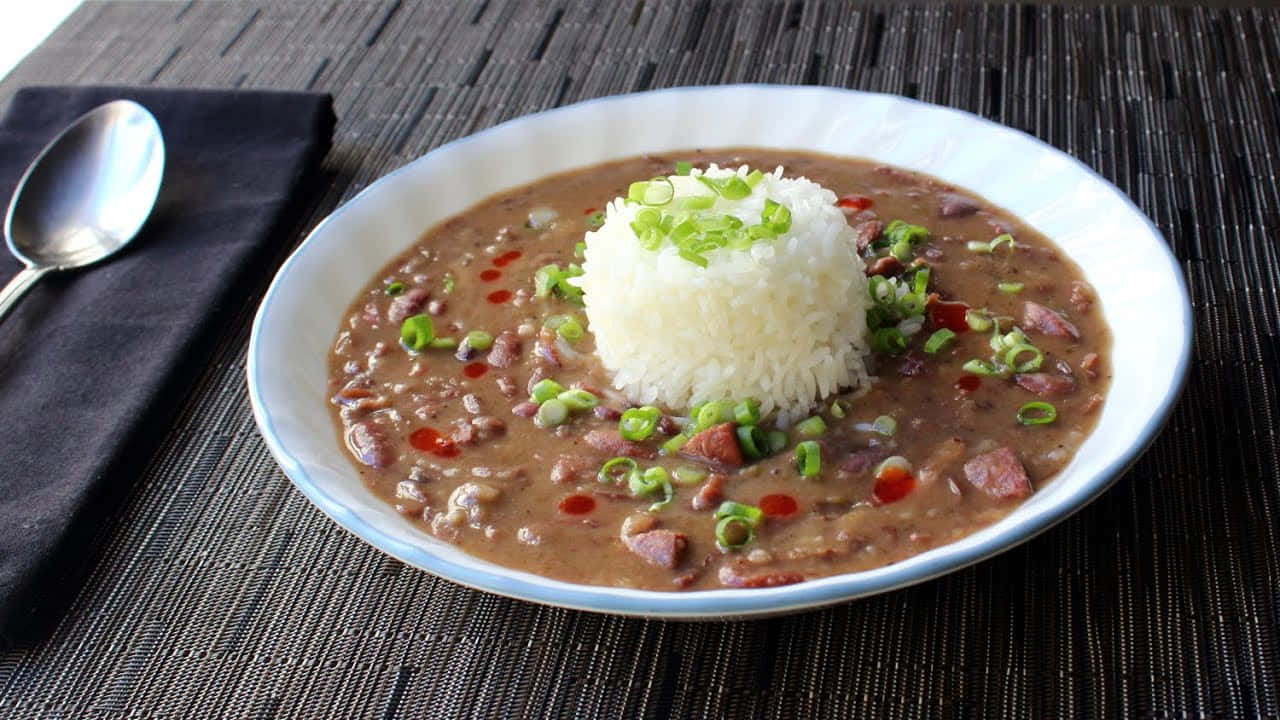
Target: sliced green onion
(733, 532)
(979, 367)
(648, 482)
(639, 423)
(911, 304)
(885, 425)
(878, 316)
(902, 250)
(889, 340)
(882, 291)
(809, 458)
(1000, 239)
(899, 231)
(1014, 337)
(444, 343)
(1011, 358)
(1010, 288)
(395, 288)
(674, 443)
(776, 217)
(615, 471)
(811, 426)
(689, 475)
(551, 413)
(711, 414)
(580, 250)
(417, 332)
(750, 513)
(777, 441)
(650, 236)
(753, 178)
(544, 280)
(1037, 413)
(979, 247)
(684, 167)
(697, 202)
(977, 320)
(735, 188)
(760, 232)
(479, 340)
(938, 340)
(448, 283)
(839, 408)
(659, 477)
(694, 258)
(752, 440)
(578, 399)
(571, 330)
(545, 389)
(747, 412)
(920, 282)
(594, 221)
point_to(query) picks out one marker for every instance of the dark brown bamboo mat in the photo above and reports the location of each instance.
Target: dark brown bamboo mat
(220, 591)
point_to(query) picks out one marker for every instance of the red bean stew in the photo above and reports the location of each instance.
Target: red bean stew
(463, 383)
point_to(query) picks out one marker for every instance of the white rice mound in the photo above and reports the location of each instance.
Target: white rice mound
(783, 322)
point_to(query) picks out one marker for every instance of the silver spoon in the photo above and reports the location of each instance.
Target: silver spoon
(85, 196)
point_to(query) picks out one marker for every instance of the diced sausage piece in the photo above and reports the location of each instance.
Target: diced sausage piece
(912, 364)
(863, 460)
(867, 233)
(506, 350)
(1050, 322)
(718, 443)
(369, 445)
(1090, 364)
(612, 443)
(525, 409)
(410, 303)
(731, 577)
(710, 493)
(662, 548)
(1046, 385)
(887, 266)
(1081, 296)
(567, 470)
(998, 473)
(947, 455)
(667, 425)
(953, 205)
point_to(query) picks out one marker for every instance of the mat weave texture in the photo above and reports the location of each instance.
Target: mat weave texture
(220, 591)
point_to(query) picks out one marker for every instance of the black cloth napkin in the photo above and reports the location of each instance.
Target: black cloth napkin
(94, 364)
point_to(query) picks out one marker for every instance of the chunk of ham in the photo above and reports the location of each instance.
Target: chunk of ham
(866, 233)
(954, 205)
(1049, 322)
(662, 548)
(717, 444)
(1046, 384)
(614, 444)
(998, 473)
(733, 575)
(887, 266)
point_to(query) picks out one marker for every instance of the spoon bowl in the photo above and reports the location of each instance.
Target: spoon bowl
(86, 195)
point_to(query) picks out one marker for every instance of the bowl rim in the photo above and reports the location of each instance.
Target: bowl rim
(720, 603)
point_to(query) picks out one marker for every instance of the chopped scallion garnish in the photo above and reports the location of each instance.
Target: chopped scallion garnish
(1011, 358)
(674, 443)
(545, 389)
(747, 412)
(1010, 288)
(777, 441)
(889, 340)
(689, 475)
(417, 332)
(684, 167)
(1037, 413)
(444, 343)
(479, 340)
(617, 470)
(885, 425)
(734, 532)
(753, 442)
(977, 320)
(551, 413)
(809, 458)
(938, 340)
(812, 426)
(979, 367)
(448, 283)
(395, 288)
(639, 423)
(578, 399)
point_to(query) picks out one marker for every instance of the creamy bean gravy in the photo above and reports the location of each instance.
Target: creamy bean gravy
(447, 436)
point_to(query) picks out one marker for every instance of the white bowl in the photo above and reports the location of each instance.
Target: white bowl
(1138, 282)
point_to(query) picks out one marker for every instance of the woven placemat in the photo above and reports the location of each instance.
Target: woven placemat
(220, 591)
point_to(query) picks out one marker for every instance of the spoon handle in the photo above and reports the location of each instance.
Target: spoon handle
(17, 287)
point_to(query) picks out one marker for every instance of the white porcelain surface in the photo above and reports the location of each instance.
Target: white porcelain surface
(1137, 279)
